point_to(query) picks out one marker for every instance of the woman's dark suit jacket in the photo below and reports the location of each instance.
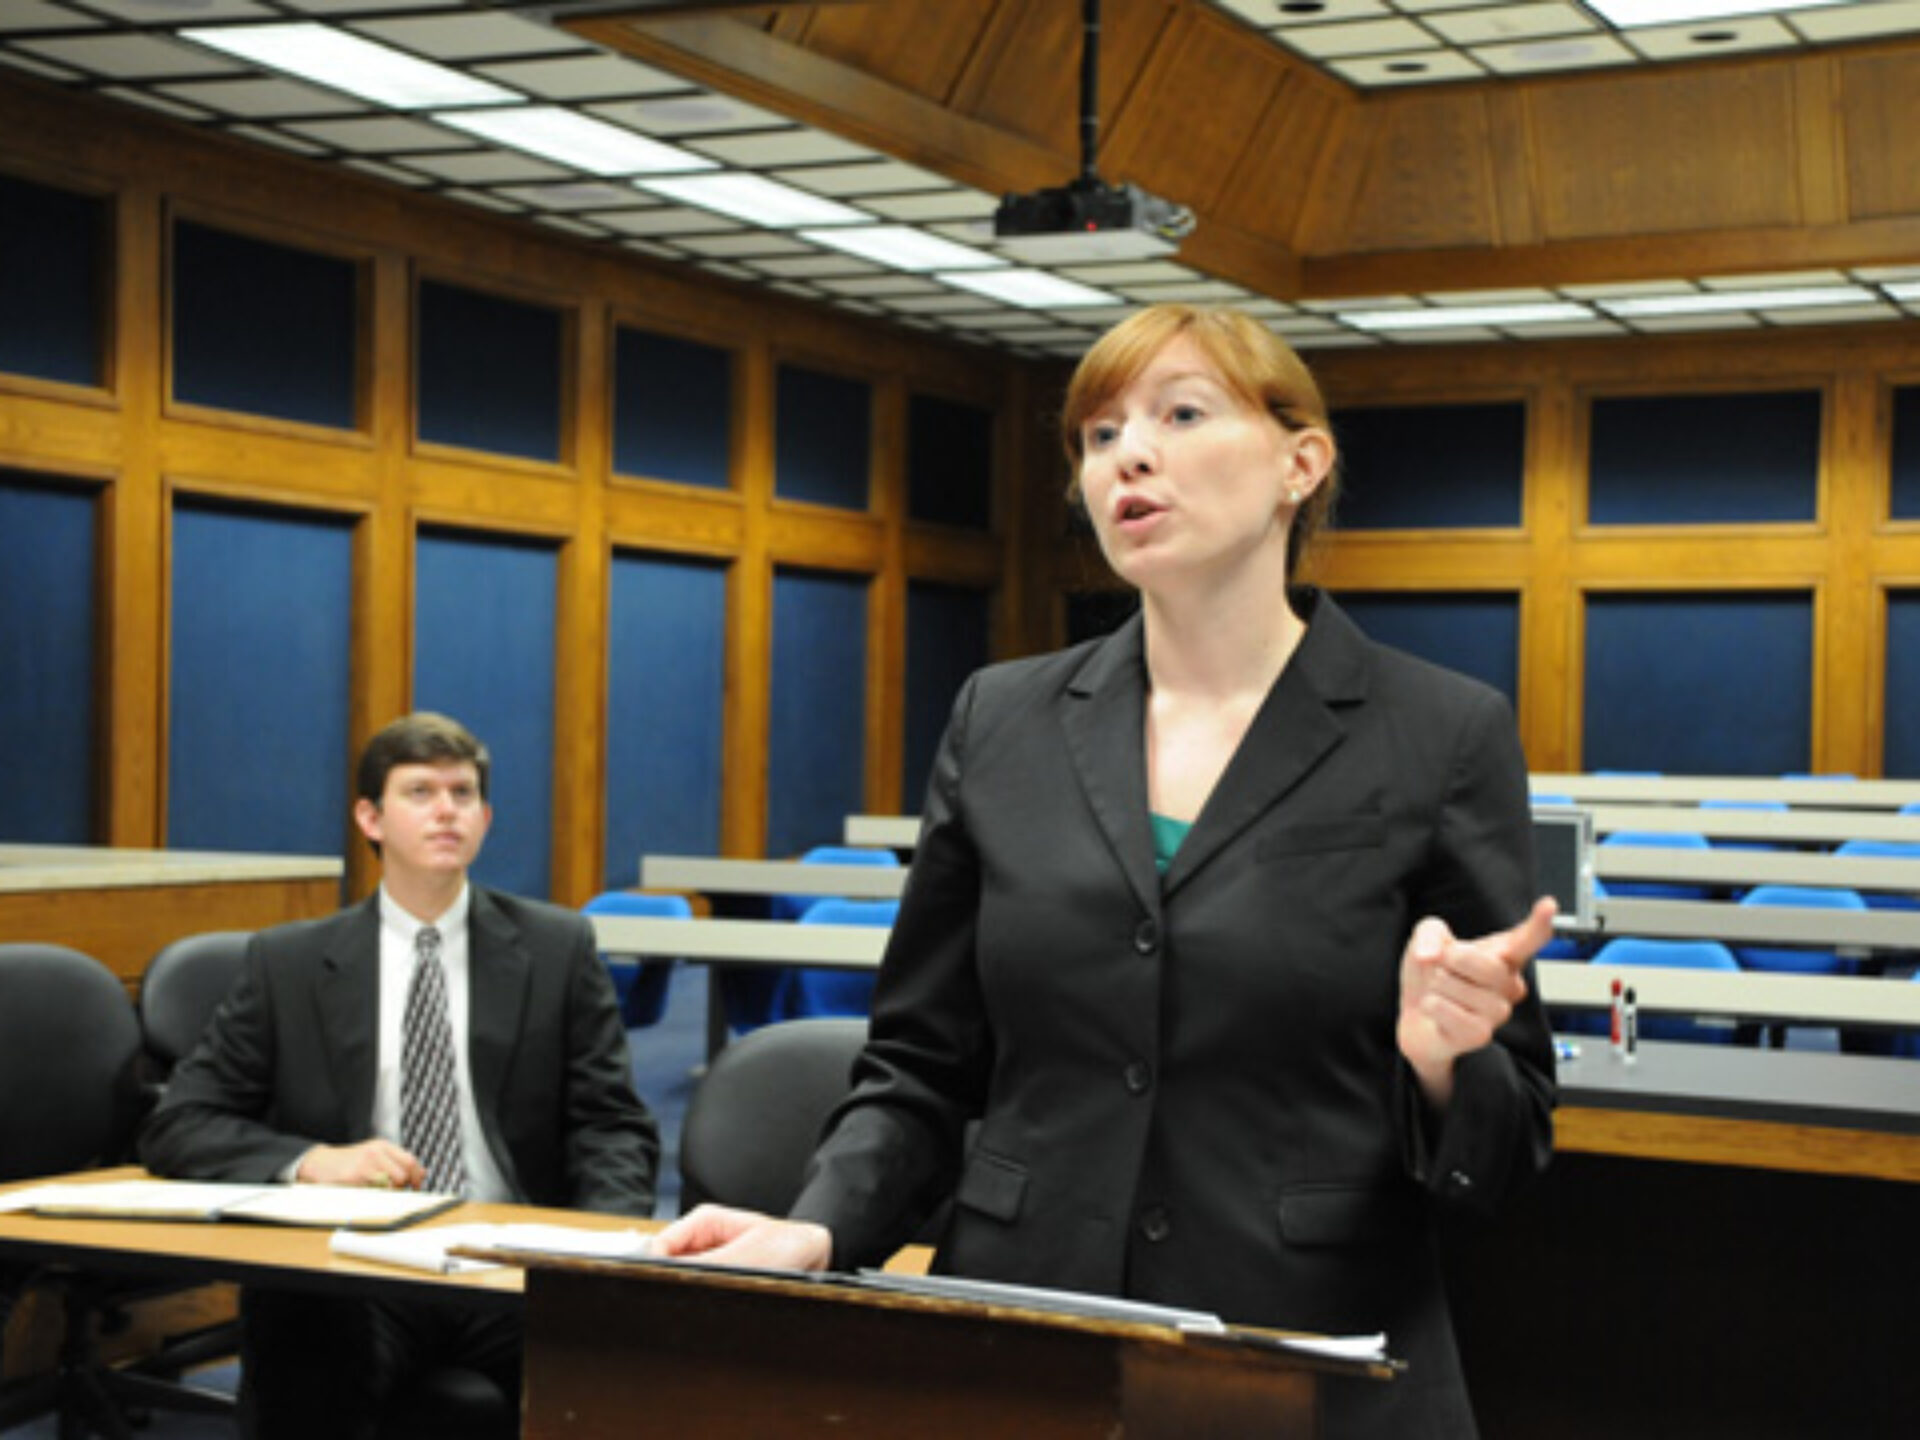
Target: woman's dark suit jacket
(1188, 1088)
(289, 1060)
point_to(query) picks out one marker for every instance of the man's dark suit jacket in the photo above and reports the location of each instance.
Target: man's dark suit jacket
(1188, 1088)
(288, 1062)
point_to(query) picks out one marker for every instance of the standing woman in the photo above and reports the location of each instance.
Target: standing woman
(1219, 927)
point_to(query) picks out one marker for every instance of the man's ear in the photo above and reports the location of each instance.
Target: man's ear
(366, 815)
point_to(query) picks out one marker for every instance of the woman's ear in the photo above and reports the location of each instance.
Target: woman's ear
(1309, 461)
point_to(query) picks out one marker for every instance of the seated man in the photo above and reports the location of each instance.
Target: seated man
(436, 1036)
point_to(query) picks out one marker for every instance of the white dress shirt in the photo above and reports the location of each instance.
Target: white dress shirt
(398, 930)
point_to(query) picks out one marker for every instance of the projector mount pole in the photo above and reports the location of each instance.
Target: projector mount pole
(1089, 90)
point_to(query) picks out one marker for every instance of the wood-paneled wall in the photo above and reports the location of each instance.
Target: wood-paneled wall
(144, 449)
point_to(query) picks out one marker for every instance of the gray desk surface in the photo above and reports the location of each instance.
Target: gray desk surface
(710, 876)
(1894, 930)
(1892, 874)
(1744, 994)
(1692, 789)
(1780, 827)
(1794, 1087)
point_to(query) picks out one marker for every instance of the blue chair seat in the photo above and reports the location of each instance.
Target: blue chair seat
(811, 993)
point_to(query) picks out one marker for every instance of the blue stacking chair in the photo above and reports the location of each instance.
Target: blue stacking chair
(1888, 850)
(1654, 889)
(811, 993)
(640, 984)
(756, 997)
(1795, 960)
(1630, 952)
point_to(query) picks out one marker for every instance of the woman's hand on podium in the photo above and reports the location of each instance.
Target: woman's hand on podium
(719, 1235)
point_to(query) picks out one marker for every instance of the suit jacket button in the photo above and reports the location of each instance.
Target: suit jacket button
(1139, 1077)
(1156, 1224)
(1146, 938)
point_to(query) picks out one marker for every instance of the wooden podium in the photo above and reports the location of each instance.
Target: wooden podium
(722, 1354)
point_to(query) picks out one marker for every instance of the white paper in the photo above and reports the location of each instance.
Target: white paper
(323, 1205)
(1340, 1347)
(413, 1249)
(1030, 1297)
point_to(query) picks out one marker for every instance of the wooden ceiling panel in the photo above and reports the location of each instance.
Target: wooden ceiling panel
(1425, 180)
(925, 49)
(1880, 119)
(1700, 149)
(1185, 125)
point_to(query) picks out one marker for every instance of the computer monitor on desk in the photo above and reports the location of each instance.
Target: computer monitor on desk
(1563, 855)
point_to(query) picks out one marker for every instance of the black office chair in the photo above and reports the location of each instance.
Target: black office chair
(183, 986)
(69, 1038)
(756, 1114)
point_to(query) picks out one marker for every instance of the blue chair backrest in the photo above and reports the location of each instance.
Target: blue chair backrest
(1794, 960)
(793, 907)
(1887, 850)
(1658, 840)
(640, 984)
(1633, 951)
(811, 993)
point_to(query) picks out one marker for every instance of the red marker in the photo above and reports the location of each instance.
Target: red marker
(1617, 1026)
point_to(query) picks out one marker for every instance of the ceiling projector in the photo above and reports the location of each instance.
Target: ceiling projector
(1088, 220)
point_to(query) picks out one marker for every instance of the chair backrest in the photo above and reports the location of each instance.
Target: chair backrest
(793, 907)
(1676, 955)
(1887, 850)
(1657, 840)
(757, 1113)
(1791, 959)
(184, 985)
(813, 991)
(69, 1053)
(640, 985)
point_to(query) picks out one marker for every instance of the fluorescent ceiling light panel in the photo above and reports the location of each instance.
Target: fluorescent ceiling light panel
(577, 140)
(346, 62)
(1628, 13)
(1449, 317)
(904, 248)
(1031, 289)
(1721, 301)
(755, 199)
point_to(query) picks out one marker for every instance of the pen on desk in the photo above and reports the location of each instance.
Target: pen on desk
(1616, 1022)
(1630, 1026)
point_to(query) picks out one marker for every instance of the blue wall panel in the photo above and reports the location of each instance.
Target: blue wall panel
(259, 687)
(949, 636)
(1901, 756)
(949, 463)
(1478, 635)
(51, 244)
(263, 328)
(484, 617)
(1699, 684)
(1441, 467)
(1705, 459)
(1905, 500)
(672, 409)
(666, 697)
(47, 612)
(489, 372)
(816, 766)
(823, 427)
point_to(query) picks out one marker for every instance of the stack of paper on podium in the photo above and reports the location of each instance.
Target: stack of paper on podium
(432, 1249)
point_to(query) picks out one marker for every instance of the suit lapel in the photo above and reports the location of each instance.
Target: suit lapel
(348, 997)
(1297, 727)
(498, 971)
(1105, 723)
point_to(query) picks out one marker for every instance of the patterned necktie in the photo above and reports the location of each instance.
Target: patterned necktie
(429, 1095)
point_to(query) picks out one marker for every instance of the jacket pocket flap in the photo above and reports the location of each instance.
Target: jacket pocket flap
(1356, 832)
(993, 1186)
(1340, 1215)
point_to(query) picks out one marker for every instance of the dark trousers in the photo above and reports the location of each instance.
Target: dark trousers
(322, 1367)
